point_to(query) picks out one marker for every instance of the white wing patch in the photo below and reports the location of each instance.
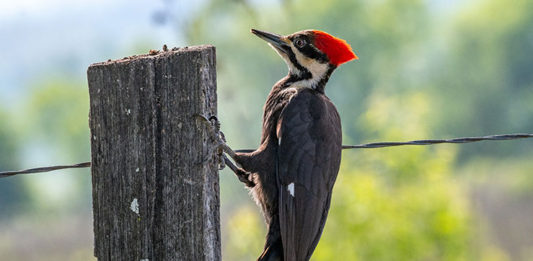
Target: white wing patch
(290, 188)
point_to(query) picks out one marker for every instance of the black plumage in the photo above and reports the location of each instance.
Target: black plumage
(295, 167)
(309, 156)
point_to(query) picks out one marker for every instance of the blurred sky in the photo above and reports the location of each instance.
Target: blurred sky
(55, 37)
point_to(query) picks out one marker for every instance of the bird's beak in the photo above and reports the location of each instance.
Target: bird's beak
(277, 41)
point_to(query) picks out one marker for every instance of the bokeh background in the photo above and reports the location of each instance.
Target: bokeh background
(427, 69)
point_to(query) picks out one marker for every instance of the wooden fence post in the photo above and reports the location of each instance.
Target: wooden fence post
(154, 173)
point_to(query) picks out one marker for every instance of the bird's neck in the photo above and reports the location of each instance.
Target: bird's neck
(307, 79)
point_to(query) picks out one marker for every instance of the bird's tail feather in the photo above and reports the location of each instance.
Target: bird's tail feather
(273, 252)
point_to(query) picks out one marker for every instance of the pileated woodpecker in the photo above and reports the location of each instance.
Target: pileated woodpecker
(291, 174)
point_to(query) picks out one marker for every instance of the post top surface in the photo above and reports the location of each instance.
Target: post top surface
(154, 54)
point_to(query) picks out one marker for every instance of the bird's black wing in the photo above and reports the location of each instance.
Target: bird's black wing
(309, 135)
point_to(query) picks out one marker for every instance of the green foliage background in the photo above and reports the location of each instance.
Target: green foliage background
(424, 71)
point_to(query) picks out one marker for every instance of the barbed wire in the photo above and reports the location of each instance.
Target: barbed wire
(431, 142)
(360, 146)
(44, 169)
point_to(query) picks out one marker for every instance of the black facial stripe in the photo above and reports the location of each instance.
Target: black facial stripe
(309, 50)
(304, 73)
(295, 78)
(319, 87)
(313, 53)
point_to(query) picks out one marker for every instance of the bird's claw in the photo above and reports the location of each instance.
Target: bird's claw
(214, 127)
(222, 147)
(244, 177)
(219, 137)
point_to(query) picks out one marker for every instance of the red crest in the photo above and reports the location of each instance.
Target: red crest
(337, 50)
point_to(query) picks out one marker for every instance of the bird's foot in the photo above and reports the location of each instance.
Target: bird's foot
(219, 138)
(243, 176)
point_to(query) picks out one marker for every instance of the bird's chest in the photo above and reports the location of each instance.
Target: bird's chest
(276, 102)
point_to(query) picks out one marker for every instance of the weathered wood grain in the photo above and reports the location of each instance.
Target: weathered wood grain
(155, 179)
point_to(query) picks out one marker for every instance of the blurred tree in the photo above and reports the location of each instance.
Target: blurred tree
(248, 225)
(57, 115)
(397, 204)
(422, 73)
(485, 86)
(487, 75)
(14, 197)
(54, 130)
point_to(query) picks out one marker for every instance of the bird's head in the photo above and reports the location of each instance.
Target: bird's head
(311, 55)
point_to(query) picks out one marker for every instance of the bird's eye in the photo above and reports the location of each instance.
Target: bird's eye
(299, 43)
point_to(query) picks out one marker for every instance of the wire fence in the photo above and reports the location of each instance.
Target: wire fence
(431, 142)
(44, 169)
(360, 146)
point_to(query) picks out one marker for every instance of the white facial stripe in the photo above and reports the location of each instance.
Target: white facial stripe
(317, 70)
(292, 69)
